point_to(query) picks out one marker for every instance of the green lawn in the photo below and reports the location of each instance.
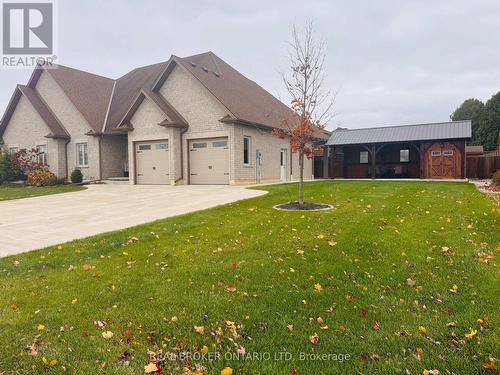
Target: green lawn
(8, 192)
(396, 261)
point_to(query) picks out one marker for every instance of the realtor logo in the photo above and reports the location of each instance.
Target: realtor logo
(27, 28)
(28, 34)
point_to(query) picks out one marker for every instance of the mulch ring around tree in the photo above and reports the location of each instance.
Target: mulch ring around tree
(306, 206)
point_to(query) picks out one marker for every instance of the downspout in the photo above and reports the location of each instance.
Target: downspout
(66, 165)
(182, 155)
(99, 140)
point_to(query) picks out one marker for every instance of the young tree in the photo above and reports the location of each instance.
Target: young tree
(311, 102)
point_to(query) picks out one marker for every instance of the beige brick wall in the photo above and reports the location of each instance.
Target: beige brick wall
(269, 146)
(74, 122)
(26, 129)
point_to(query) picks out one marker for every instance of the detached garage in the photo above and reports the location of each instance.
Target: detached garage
(209, 161)
(435, 151)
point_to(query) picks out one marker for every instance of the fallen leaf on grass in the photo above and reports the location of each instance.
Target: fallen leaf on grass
(107, 334)
(226, 371)
(317, 287)
(314, 339)
(231, 288)
(471, 334)
(74, 301)
(40, 327)
(376, 325)
(375, 357)
(410, 282)
(490, 365)
(289, 327)
(422, 329)
(150, 368)
(199, 329)
(431, 372)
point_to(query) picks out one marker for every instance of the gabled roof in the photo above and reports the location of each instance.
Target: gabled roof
(245, 100)
(126, 90)
(104, 102)
(417, 132)
(89, 93)
(57, 130)
(173, 118)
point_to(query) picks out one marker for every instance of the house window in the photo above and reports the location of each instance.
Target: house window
(82, 154)
(144, 147)
(219, 144)
(447, 152)
(436, 153)
(363, 157)
(42, 154)
(162, 146)
(200, 145)
(13, 150)
(246, 150)
(404, 156)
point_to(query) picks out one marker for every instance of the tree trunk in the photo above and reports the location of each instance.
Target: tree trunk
(301, 177)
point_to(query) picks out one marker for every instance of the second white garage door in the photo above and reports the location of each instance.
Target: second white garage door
(209, 161)
(152, 163)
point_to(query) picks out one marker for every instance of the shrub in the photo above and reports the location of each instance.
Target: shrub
(7, 173)
(41, 177)
(25, 161)
(76, 176)
(495, 178)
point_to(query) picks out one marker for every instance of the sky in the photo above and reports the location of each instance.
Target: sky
(389, 62)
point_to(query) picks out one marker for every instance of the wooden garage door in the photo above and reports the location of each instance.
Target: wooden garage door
(209, 161)
(152, 163)
(443, 161)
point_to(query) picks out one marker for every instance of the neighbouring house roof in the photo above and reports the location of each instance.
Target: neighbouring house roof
(173, 118)
(57, 130)
(474, 150)
(417, 132)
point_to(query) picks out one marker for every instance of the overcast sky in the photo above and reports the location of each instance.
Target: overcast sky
(391, 62)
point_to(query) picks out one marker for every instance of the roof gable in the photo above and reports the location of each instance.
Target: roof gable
(416, 132)
(57, 130)
(173, 118)
(126, 91)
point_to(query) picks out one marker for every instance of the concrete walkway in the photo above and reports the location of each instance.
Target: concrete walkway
(34, 223)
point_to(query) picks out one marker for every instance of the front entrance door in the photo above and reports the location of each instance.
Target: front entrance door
(283, 165)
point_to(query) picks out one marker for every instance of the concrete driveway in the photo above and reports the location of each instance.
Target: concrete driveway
(34, 223)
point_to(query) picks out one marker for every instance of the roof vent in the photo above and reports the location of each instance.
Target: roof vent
(204, 69)
(192, 64)
(216, 74)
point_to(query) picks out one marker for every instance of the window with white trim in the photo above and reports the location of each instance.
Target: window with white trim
(82, 155)
(404, 156)
(247, 143)
(363, 157)
(42, 154)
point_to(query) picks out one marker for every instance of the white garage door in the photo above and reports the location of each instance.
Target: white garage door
(152, 163)
(209, 161)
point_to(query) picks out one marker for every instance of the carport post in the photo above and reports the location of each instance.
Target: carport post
(326, 158)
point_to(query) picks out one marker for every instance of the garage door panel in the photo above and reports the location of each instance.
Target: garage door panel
(152, 163)
(209, 161)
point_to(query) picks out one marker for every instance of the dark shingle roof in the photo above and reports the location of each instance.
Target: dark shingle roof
(126, 89)
(88, 92)
(417, 132)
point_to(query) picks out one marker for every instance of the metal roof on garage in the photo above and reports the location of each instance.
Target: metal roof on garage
(405, 133)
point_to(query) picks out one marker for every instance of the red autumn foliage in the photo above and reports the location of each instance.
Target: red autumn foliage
(25, 161)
